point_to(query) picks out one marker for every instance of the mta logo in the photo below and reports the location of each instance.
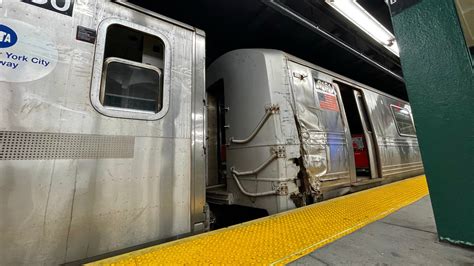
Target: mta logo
(8, 36)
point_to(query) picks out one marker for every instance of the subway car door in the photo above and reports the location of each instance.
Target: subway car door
(362, 135)
(369, 151)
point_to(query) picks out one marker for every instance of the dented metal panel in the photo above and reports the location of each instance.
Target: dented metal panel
(321, 128)
(393, 150)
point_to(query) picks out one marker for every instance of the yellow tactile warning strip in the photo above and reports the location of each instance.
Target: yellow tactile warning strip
(284, 237)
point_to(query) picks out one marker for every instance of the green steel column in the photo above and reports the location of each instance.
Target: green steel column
(438, 70)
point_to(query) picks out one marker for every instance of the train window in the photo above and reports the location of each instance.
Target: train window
(130, 85)
(133, 63)
(403, 121)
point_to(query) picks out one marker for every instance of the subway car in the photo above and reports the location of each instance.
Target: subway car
(284, 133)
(101, 129)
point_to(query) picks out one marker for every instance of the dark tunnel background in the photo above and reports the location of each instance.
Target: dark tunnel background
(235, 24)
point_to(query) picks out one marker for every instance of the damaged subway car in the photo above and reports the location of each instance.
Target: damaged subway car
(285, 133)
(109, 139)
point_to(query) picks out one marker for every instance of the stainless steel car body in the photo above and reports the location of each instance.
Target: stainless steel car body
(75, 183)
(264, 171)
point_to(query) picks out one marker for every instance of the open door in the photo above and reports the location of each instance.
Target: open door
(216, 141)
(363, 139)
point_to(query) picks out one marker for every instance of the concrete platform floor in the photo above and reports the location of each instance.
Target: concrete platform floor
(406, 237)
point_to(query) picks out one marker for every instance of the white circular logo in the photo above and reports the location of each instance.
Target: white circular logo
(32, 57)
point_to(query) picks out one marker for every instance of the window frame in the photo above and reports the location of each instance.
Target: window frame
(99, 67)
(125, 62)
(392, 106)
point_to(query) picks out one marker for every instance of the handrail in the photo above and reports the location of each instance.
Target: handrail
(250, 194)
(278, 152)
(273, 109)
(256, 170)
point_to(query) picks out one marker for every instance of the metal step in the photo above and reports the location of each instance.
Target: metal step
(218, 196)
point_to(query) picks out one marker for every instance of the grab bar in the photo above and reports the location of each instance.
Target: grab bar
(269, 110)
(277, 152)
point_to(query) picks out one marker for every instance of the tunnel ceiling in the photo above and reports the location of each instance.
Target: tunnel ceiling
(235, 24)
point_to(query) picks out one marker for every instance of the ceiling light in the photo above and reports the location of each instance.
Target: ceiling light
(368, 24)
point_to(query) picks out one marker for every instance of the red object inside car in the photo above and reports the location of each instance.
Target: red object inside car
(361, 153)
